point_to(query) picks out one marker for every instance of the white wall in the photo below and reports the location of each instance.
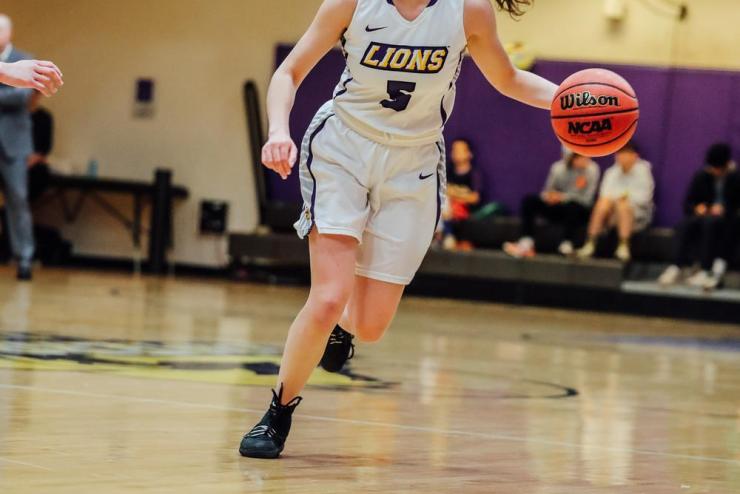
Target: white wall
(200, 52)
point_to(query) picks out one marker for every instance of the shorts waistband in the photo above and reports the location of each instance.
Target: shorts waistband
(384, 138)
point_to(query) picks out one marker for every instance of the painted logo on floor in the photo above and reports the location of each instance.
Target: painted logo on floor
(222, 363)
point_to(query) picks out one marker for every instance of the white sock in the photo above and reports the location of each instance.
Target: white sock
(719, 268)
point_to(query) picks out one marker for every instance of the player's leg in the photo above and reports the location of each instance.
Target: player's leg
(371, 308)
(406, 206)
(332, 277)
(367, 316)
(334, 217)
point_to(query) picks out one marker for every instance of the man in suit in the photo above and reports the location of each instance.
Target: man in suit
(16, 144)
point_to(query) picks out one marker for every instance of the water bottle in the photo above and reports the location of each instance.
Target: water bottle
(92, 168)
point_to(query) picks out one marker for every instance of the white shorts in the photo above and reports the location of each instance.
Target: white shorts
(387, 197)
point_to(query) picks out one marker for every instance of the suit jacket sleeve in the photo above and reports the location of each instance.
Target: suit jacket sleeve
(13, 98)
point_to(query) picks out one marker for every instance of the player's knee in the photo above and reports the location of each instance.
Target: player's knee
(327, 307)
(371, 331)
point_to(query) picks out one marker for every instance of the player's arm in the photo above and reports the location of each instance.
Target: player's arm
(42, 76)
(491, 58)
(333, 17)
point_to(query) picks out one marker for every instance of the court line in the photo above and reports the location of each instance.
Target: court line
(23, 463)
(387, 425)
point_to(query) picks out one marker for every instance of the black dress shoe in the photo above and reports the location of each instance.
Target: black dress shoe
(24, 273)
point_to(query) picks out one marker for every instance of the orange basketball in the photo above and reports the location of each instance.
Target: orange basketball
(595, 112)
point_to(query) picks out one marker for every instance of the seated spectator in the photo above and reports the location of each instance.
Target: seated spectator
(711, 208)
(625, 202)
(567, 199)
(464, 187)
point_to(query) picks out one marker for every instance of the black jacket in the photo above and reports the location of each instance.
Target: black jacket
(703, 191)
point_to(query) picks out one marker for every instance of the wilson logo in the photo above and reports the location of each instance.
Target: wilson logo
(587, 128)
(412, 59)
(587, 100)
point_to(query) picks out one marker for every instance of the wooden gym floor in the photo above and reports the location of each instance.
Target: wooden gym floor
(112, 384)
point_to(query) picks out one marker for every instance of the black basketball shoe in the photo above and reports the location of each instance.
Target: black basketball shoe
(339, 349)
(267, 438)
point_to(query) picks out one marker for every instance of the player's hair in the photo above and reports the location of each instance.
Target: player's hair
(515, 8)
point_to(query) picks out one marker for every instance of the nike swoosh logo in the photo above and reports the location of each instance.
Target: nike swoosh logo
(373, 29)
(424, 177)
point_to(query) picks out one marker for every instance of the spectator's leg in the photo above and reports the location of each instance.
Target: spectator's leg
(732, 240)
(625, 227)
(574, 216)
(20, 223)
(602, 212)
(688, 233)
(532, 206)
(712, 235)
(625, 220)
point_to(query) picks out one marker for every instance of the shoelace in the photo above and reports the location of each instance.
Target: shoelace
(342, 338)
(276, 409)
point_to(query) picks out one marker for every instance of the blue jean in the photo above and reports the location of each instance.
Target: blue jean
(14, 173)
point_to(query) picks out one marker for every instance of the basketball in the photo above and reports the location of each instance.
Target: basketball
(595, 112)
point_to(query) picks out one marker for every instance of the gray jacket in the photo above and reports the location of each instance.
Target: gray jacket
(578, 186)
(16, 139)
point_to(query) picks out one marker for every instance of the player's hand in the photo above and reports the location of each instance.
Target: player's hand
(44, 77)
(280, 154)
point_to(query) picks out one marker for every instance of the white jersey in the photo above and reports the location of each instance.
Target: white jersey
(399, 84)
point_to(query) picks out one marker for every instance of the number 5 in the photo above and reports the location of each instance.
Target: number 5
(399, 95)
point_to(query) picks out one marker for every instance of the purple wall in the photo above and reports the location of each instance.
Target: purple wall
(683, 111)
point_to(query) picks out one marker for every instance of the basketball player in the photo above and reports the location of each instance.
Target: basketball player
(372, 168)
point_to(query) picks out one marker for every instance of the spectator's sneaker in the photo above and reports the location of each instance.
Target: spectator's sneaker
(699, 280)
(713, 282)
(671, 276)
(587, 251)
(449, 243)
(465, 246)
(623, 252)
(719, 268)
(267, 439)
(566, 248)
(522, 249)
(339, 349)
